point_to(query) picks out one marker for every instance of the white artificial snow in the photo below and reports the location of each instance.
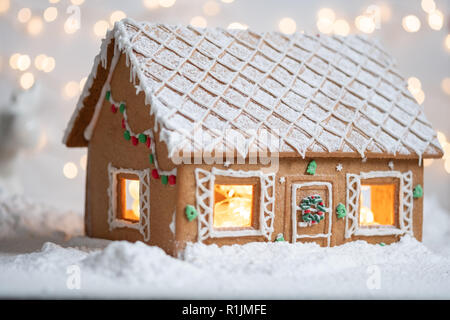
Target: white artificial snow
(119, 269)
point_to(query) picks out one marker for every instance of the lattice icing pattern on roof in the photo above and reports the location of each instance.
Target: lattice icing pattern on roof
(314, 93)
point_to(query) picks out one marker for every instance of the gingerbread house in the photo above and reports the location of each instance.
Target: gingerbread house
(180, 123)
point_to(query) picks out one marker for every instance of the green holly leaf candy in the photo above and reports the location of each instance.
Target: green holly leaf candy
(312, 166)
(127, 135)
(280, 237)
(108, 95)
(418, 191)
(190, 212)
(164, 179)
(122, 108)
(151, 159)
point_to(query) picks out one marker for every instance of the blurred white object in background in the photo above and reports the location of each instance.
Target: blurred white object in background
(19, 131)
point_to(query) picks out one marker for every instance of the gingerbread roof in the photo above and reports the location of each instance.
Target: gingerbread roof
(319, 94)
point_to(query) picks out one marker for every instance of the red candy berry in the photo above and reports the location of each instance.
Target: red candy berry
(312, 197)
(123, 123)
(321, 203)
(312, 222)
(113, 108)
(320, 213)
(307, 211)
(134, 140)
(172, 180)
(149, 142)
(155, 174)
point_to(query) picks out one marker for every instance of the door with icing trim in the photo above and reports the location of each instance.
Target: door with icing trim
(311, 211)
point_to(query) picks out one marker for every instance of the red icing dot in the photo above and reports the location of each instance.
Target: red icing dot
(320, 213)
(155, 174)
(321, 203)
(312, 222)
(307, 211)
(172, 180)
(123, 123)
(312, 197)
(149, 142)
(134, 140)
(113, 108)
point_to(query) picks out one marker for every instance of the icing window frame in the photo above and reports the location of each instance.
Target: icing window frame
(116, 201)
(404, 205)
(264, 210)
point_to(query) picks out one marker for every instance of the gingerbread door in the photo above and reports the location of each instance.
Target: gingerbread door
(311, 211)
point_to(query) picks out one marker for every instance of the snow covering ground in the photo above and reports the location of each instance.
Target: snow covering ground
(43, 255)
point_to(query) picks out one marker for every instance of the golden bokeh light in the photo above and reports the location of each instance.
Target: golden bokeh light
(237, 26)
(166, 3)
(116, 16)
(447, 42)
(82, 83)
(4, 6)
(35, 26)
(198, 22)
(441, 138)
(48, 64)
(26, 80)
(414, 85)
(341, 27)
(50, 14)
(428, 5)
(151, 4)
(326, 13)
(420, 96)
(71, 89)
(13, 60)
(100, 28)
(53, 1)
(445, 85)
(70, 170)
(365, 24)
(39, 61)
(324, 25)
(77, 2)
(83, 161)
(411, 23)
(211, 8)
(71, 25)
(24, 15)
(23, 62)
(386, 12)
(227, 1)
(436, 20)
(287, 25)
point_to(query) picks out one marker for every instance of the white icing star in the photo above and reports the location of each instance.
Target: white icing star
(282, 180)
(339, 167)
(391, 165)
(227, 164)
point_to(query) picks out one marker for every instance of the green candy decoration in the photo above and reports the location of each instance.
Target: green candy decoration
(312, 166)
(280, 238)
(382, 244)
(150, 158)
(315, 215)
(122, 107)
(142, 138)
(127, 135)
(190, 212)
(341, 211)
(418, 192)
(108, 95)
(164, 179)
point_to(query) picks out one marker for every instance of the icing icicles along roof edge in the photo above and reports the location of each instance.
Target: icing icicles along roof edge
(318, 94)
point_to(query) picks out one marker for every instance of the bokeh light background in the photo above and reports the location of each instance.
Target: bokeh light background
(48, 47)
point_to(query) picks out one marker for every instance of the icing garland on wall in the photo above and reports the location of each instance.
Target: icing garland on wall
(146, 137)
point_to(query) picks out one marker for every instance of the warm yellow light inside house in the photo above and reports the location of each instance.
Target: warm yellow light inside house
(376, 206)
(233, 205)
(131, 207)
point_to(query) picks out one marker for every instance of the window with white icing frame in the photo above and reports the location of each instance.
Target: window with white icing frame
(234, 203)
(379, 203)
(129, 199)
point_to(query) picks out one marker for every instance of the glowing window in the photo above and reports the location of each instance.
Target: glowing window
(377, 205)
(233, 206)
(129, 199)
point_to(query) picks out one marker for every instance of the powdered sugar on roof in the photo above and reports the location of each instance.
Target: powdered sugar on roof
(317, 93)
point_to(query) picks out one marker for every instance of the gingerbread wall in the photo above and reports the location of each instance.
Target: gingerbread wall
(108, 145)
(294, 171)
